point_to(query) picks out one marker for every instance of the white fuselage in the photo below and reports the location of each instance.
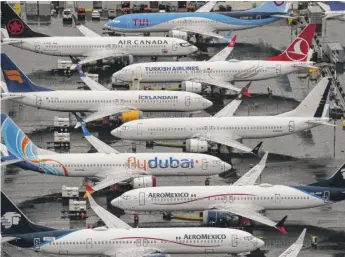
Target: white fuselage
(233, 70)
(338, 15)
(199, 198)
(100, 241)
(155, 164)
(185, 128)
(88, 46)
(70, 100)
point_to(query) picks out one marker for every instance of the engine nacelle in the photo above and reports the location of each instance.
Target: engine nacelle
(145, 181)
(190, 86)
(196, 146)
(216, 218)
(131, 115)
(178, 34)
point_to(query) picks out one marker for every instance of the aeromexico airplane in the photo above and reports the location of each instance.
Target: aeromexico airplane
(108, 165)
(202, 21)
(100, 102)
(222, 73)
(333, 10)
(243, 200)
(224, 128)
(93, 47)
(119, 239)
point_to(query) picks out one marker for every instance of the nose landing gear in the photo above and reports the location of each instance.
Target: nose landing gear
(166, 215)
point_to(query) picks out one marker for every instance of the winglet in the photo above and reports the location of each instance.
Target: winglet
(244, 92)
(88, 191)
(227, 37)
(82, 124)
(257, 148)
(280, 225)
(233, 41)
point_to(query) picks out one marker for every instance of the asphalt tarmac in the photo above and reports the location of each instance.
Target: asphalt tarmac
(296, 159)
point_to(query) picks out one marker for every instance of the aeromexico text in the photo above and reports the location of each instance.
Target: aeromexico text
(169, 195)
(205, 236)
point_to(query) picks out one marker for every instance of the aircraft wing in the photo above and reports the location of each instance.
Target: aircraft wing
(252, 212)
(104, 113)
(207, 7)
(93, 85)
(334, 15)
(222, 55)
(84, 30)
(204, 31)
(131, 251)
(325, 7)
(252, 175)
(218, 83)
(110, 220)
(100, 55)
(100, 146)
(295, 248)
(7, 239)
(9, 96)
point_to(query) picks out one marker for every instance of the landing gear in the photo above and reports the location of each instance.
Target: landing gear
(136, 220)
(207, 181)
(153, 58)
(166, 215)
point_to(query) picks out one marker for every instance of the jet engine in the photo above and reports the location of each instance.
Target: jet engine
(158, 255)
(190, 86)
(196, 146)
(178, 34)
(131, 115)
(216, 218)
(144, 181)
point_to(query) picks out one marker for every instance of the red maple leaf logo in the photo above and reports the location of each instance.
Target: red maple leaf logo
(15, 26)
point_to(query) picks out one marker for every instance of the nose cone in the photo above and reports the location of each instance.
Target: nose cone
(115, 132)
(116, 202)
(118, 75)
(227, 166)
(208, 103)
(259, 243)
(194, 49)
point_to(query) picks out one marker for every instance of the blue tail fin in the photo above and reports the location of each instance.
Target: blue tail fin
(18, 144)
(272, 6)
(337, 179)
(15, 79)
(337, 6)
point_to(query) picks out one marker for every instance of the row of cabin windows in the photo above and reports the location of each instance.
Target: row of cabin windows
(241, 127)
(208, 71)
(137, 242)
(177, 199)
(107, 46)
(114, 101)
(92, 165)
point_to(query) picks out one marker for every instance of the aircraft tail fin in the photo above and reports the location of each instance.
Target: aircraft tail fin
(13, 221)
(15, 26)
(15, 79)
(314, 105)
(337, 5)
(336, 180)
(272, 7)
(298, 50)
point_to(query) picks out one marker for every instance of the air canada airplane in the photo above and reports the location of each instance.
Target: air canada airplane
(243, 200)
(108, 165)
(119, 239)
(91, 47)
(100, 102)
(222, 73)
(202, 21)
(225, 129)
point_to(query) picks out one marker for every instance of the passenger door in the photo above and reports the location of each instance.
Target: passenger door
(38, 101)
(89, 243)
(141, 198)
(291, 126)
(174, 46)
(37, 46)
(187, 101)
(277, 199)
(326, 196)
(140, 129)
(278, 69)
(234, 241)
(204, 164)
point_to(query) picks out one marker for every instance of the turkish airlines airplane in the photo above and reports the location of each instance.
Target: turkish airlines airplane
(100, 101)
(119, 239)
(202, 21)
(222, 73)
(108, 165)
(333, 10)
(92, 47)
(244, 200)
(223, 128)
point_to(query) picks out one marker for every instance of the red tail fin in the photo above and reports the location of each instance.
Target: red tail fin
(299, 48)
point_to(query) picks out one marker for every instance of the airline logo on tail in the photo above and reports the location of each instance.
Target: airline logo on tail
(13, 75)
(298, 51)
(15, 26)
(278, 3)
(10, 218)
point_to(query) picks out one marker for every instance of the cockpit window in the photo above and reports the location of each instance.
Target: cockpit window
(125, 197)
(67, 12)
(249, 238)
(216, 162)
(124, 127)
(116, 20)
(185, 44)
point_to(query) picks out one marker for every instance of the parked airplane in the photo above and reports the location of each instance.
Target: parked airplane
(296, 247)
(333, 10)
(226, 129)
(101, 102)
(222, 73)
(119, 239)
(108, 165)
(92, 47)
(245, 200)
(201, 21)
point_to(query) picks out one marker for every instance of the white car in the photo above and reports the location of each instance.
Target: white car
(67, 15)
(95, 15)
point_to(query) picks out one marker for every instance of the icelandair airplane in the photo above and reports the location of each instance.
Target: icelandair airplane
(108, 165)
(119, 239)
(226, 129)
(100, 102)
(333, 10)
(222, 73)
(93, 47)
(242, 200)
(201, 21)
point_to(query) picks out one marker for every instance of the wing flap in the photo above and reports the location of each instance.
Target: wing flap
(100, 55)
(131, 252)
(93, 85)
(207, 7)
(222, 84)
(223, 54)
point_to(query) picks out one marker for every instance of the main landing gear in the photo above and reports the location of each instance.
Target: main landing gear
(136, 220)
(207, 181)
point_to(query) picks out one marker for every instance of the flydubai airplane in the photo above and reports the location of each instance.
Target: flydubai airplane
(108, 165)
(244, 200)
(222, 73)
(333, 10)
(202, 21)
(91, 47)
(119, 239)
(223, 128)
(100, 102)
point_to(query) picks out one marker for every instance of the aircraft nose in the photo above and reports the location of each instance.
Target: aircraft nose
(259, 243)
(116, 202)
(227, 166)
(208, 103)
(115, 132)
(194, 49)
